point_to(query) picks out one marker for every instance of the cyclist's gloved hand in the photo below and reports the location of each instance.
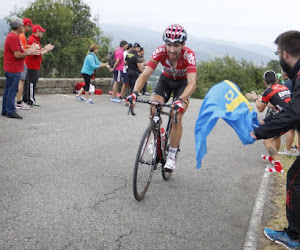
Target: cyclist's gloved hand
(178, 104)
(132, 97)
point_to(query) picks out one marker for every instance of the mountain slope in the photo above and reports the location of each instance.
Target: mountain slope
(204, 48)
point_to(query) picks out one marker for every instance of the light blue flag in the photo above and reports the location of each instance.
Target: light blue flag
(224, 100)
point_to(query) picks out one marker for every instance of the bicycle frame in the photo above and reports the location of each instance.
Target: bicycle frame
(159, 149)
(155, 122)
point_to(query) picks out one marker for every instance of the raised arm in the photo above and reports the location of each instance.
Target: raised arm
(259, 104)
(31, 51)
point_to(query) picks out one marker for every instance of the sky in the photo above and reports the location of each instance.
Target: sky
(240, 21)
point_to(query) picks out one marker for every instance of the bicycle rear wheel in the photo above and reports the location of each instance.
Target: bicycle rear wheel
(145, 163)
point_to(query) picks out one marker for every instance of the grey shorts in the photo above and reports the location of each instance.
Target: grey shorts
(24, 73)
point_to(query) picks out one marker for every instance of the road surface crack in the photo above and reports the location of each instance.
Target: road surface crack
(119, 240)
(110, 195)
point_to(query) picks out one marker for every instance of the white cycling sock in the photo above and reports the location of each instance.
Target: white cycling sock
(172, 153)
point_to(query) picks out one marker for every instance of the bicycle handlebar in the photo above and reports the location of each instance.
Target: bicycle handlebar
(155, 103)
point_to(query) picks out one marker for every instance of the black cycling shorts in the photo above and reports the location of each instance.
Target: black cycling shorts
(166, 86)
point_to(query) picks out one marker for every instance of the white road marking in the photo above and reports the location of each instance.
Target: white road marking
(42, 124)
(69, 96)
(252, 236)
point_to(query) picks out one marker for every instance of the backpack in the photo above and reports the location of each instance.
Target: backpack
(111, 59)
(78, 86)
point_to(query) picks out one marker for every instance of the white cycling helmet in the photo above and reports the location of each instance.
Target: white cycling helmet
(175, 33)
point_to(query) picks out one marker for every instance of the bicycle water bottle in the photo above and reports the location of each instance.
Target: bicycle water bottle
(163, 135)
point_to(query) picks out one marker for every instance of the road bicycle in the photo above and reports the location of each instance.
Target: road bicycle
(153, 148)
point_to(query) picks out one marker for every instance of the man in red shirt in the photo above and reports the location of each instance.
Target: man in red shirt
(27, 28)
(34, 62)
(179, 73)
(13, 65)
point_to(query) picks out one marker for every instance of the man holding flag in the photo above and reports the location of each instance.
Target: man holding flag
(288, 50)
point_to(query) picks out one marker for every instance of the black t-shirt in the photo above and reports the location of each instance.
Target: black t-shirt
(132, 60)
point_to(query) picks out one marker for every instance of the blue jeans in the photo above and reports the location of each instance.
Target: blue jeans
(10, 92)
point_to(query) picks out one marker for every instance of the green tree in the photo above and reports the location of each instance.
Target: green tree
(244, 73)
(274, 65)
(70, 27)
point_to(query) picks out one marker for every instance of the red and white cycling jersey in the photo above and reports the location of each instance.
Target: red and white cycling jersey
(186, 63)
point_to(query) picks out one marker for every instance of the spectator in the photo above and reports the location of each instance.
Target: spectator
(13, 65)
(112, 80)
(288, 82)
(134, 67)
(125, 71)
(27, 28)
(290, 135)
(280, 78)
(34, 63)
(278, 95)
(288, 50)
(136, 48)
(118, 71)
(141, 54)
(90, 64)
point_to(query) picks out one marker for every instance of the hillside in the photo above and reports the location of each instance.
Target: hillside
(204, 48)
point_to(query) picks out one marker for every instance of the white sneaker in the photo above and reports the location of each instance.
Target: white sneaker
(89, 101)
(79, 98)
(285, 152)
(22, 106)
(170, 164)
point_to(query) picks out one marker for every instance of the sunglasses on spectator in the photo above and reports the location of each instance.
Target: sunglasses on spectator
(278, 52)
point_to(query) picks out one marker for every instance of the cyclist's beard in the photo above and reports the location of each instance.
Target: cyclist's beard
(285, 67)
(173, 56)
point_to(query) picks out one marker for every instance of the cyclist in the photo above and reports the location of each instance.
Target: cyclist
(179, 73)
(278, 96)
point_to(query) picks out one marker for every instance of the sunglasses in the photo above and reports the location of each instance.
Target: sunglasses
(278, 52)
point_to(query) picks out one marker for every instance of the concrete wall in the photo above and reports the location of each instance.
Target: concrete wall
(62, 85)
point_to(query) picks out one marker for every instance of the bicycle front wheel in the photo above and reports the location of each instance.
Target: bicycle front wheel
(145, 163)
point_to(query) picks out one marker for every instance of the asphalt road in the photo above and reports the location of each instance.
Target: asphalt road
(66, 182)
